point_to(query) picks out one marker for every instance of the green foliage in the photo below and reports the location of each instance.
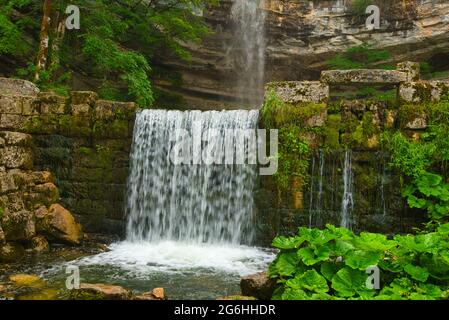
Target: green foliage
(117, 45)
(360, 57)
(331, 264)
(293, 152)
(358, 7)
(12, 28)
(417, 160)
(2, 211)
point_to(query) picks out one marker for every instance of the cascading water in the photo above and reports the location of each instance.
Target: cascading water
(196, 203)
(247, 50)
(189, 223)
(317, 202)
(347, 205)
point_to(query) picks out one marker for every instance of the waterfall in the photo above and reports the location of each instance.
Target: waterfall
(191, 203)
(312, 182)
(383, 182)
(316, 203)
(247, 50)
(347, 205)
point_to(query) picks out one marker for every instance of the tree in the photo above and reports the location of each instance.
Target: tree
(118, 42)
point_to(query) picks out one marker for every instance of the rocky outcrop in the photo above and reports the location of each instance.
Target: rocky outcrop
(85, 142)
(302, 36)
(28, 198)
(258, 285)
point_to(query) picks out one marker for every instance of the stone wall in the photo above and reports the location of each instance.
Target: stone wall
(84, 142)
(316, 198)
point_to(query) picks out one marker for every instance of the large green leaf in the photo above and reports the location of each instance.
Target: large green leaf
(287, 242)
(294, 294)
(307, 255)
(373, 242)
(362, 259)
(348, 281)
(328, 270)
(417, 273)
(309, 280)
(286, 264)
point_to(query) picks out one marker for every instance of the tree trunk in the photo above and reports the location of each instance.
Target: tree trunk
(44, 42)
(57, 38)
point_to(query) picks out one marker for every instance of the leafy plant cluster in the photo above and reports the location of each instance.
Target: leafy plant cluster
(418, 161)
(332, 264)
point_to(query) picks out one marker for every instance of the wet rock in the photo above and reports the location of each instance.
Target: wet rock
(98, 291)
(27, 280)
(156, 294)
(11, 252)
(18, 225)
(38, 245)
(60, 224)
(258, 285)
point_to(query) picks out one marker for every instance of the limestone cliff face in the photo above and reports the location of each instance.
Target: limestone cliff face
(301, 35)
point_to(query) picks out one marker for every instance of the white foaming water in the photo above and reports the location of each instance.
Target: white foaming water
(173, 257)
(183, 218)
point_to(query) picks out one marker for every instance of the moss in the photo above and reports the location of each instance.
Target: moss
(423, 92)
(277, 113)
(409, 112)
(332, 132)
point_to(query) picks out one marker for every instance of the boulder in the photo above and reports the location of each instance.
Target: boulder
(60, 224)
(18, 86)
(156, 294)
(11, 252)
(258, 285)
(27, 280)
(98, 291)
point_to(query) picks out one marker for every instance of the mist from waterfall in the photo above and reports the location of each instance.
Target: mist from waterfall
(247, 50)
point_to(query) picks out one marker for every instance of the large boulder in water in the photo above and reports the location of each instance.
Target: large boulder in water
(258, 285)
(60, 225)
(98, 291)
(156, 294)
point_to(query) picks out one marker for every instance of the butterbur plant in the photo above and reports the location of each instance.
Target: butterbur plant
(332, 264)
